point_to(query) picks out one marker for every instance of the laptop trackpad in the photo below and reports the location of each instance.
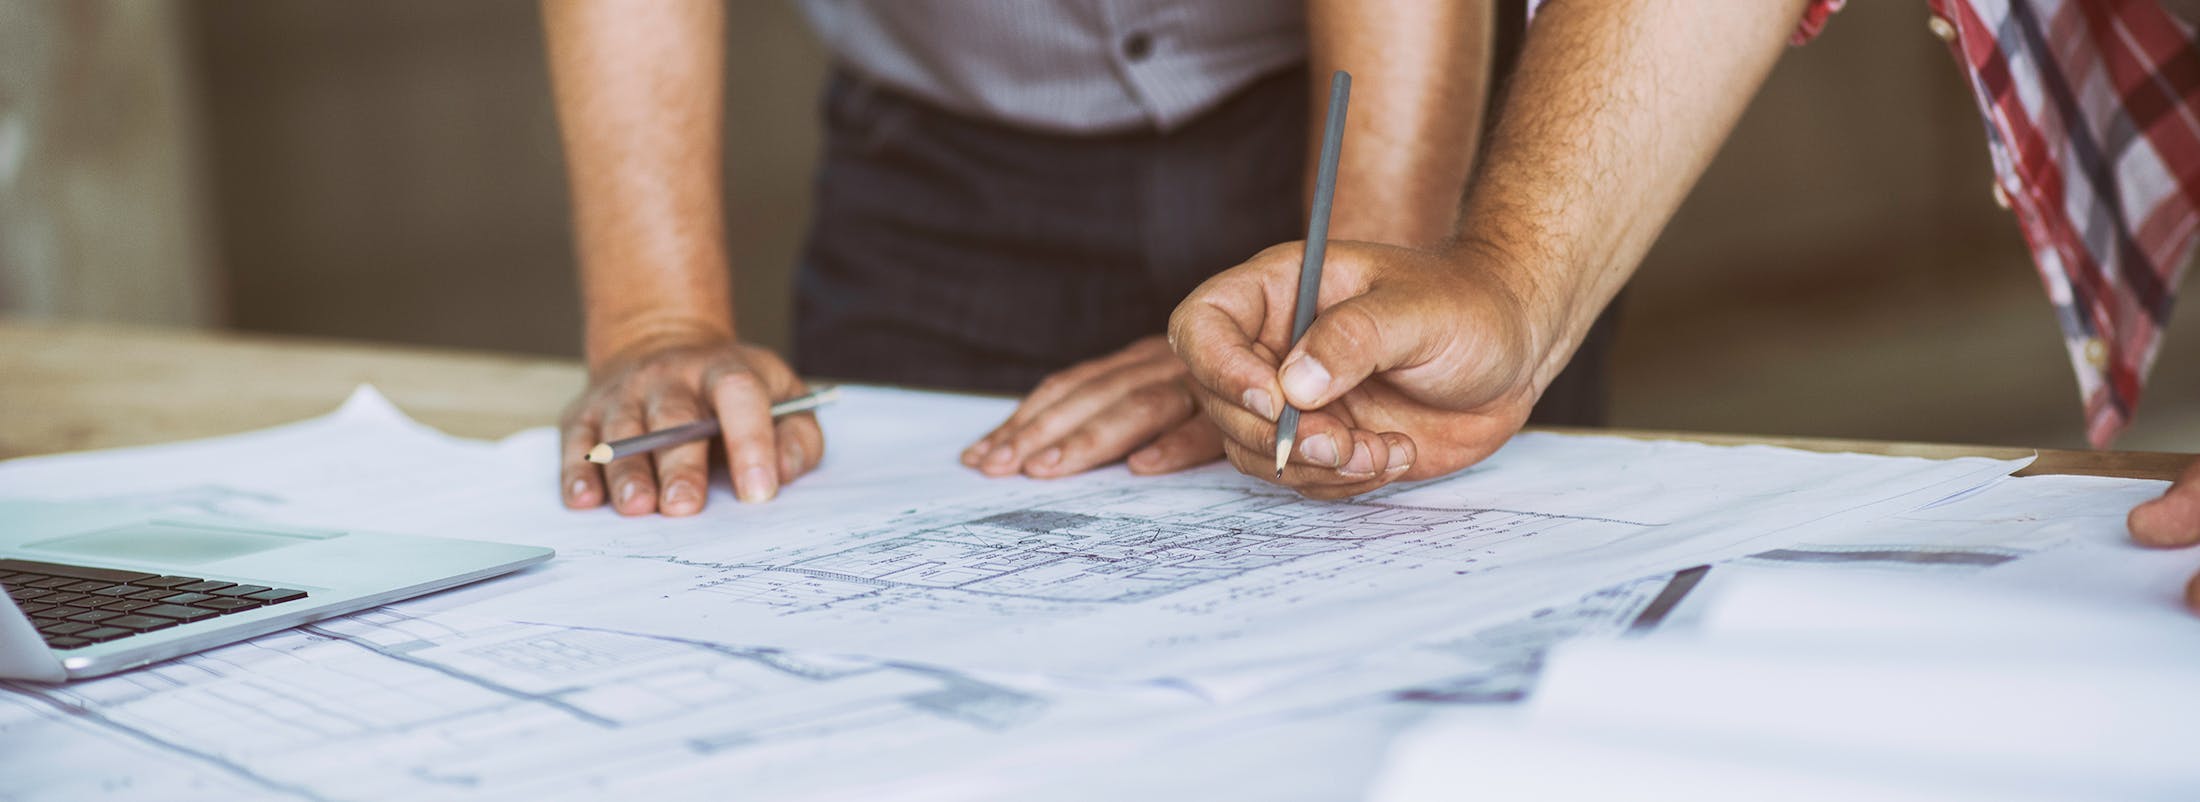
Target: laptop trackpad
(166, 542)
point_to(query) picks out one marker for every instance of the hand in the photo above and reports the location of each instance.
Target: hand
(2173, 521)
(660, 385)
(1419, 364)
(1095, 412)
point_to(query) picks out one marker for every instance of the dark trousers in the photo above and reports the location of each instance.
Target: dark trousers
(953, 253)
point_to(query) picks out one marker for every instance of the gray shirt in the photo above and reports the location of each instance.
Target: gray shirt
(1070, 66)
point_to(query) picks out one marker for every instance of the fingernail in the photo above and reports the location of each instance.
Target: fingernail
(1399, 459)
(1144, 459)
(579, 488)
(1362, 463)
(1304, 381)
(758, 484)
(1258, 401)
(1000, 459)
(1320, 448)
(680, 498)
(1047, 459)
(629, 492)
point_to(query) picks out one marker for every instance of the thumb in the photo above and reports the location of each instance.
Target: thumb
(1351, 340)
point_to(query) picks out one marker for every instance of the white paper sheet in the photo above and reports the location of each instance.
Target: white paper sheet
(2048, 714)
(893, 550)
(436, 699)
(1453, 760)
(1208, 576)
(388, 706)
(2066, 671)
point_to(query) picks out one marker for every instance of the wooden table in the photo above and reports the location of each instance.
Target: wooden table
(77, 387)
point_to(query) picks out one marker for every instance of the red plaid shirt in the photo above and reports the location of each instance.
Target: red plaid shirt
(2092, 112)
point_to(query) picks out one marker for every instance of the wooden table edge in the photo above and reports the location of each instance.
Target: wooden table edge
(2124, 464)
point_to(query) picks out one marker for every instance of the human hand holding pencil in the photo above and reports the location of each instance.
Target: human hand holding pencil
(665, 386)
(1362, 398)
(1418, 363)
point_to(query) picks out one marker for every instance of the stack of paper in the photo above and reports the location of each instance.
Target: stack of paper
(989, 636)
(2067, 675)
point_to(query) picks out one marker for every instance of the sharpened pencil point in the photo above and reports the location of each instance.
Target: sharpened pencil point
(1283, 454)
(601, 454)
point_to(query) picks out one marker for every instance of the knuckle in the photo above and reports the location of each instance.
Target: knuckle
(671, 405)
(1031, 436)
(738, 382)
(1082, 441)
(1353, 329)
(1058, 382)
(1188, 441)
(1245, 466)
(1180, 322)
(1157, 400)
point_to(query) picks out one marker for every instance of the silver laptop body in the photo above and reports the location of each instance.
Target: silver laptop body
(339, 572)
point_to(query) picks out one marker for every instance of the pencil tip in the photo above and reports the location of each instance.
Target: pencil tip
(1283, 454)
(601, 454)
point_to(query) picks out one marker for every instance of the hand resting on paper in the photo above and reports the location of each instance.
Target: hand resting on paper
(2173, 521)
(664, 383)
(1134, 402)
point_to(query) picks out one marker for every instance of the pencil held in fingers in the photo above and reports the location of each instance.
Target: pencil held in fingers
(604, 453)
(1317, 241)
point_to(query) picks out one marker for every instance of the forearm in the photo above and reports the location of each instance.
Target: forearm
(639, 93)
(1615, 110)
(1420, 74)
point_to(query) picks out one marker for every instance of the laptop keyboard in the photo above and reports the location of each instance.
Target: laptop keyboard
(75, 606)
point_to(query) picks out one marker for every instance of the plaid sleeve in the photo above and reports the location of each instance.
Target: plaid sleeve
(2091, 120)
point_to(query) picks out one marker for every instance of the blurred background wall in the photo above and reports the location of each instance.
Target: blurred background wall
(390, 171)
(103, 214)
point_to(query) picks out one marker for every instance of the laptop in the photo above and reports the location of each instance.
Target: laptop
(93, 590)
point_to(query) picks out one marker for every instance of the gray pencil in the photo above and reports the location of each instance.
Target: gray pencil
(604, 453)
(1317, 241)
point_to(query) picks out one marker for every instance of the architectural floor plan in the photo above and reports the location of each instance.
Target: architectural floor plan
(1204, 577)
(383, 705)
(1129, 544)
(968, 638)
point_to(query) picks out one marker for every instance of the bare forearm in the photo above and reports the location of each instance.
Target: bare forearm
(1615, 110)
(639, 92)
(1420, 72)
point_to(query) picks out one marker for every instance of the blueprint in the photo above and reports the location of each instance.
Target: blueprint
(893, 551)
(1209, 577)
(451, 706)
(383, 705)
(962, 637)
(1326, 736)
